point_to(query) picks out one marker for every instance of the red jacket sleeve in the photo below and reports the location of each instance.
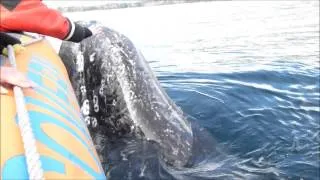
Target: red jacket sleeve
(34, 16)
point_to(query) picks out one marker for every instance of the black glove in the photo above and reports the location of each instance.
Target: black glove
(5, 40)
(79, 33)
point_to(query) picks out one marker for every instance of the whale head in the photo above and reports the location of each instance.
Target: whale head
(120, 96)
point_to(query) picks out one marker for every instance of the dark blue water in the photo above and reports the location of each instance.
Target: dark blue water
(274, 130)
(246, 73)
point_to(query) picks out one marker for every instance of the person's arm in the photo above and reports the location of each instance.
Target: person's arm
(11, 77)
(34, 16)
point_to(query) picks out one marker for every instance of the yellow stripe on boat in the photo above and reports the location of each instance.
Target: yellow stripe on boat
(62, 138)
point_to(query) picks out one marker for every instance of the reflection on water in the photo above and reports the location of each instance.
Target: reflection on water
(248, 72)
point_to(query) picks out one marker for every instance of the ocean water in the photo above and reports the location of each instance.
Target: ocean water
(246, 72)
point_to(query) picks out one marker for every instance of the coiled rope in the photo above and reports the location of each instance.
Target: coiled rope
(29, 142)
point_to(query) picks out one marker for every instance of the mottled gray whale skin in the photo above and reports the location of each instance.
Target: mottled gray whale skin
(120, 96)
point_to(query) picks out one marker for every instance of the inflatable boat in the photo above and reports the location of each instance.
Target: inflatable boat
(61, 137)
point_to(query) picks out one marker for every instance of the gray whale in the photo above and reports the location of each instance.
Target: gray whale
(120, 96)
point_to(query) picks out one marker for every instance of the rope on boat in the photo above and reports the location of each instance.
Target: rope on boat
(29, 142)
